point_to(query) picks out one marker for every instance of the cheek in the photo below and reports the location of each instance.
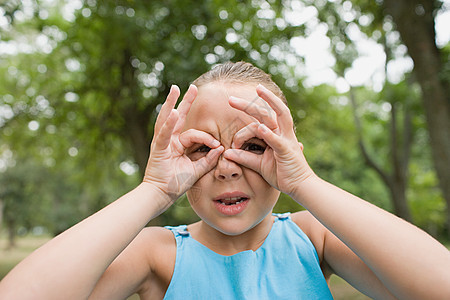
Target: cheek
(259, 184)
(199, 189)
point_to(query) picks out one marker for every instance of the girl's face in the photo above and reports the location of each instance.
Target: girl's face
(230, 198)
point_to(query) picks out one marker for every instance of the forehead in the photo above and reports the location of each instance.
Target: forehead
(211, 112)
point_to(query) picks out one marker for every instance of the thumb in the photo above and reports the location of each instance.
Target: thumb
(207, 163)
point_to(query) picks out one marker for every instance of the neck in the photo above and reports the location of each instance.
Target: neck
(224, 244)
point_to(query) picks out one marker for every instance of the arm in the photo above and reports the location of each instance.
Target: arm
(145, 267)
(70, 265)
(336, 258)
(409, 263)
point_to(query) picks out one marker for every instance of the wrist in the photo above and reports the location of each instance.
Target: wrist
(155, 194)
(303, 186)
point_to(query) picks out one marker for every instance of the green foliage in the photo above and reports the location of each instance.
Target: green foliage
(82, 100)
(333, 150)
(90, 94)
(427, 205)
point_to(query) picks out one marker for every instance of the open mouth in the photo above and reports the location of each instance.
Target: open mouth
(231, 203)
(232, 200)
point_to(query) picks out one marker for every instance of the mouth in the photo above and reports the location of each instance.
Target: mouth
(231, 203)
(232, 200)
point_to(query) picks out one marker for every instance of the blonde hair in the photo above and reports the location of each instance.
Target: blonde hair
(240, 72)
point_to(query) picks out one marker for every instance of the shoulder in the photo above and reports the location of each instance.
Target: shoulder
(156, 235)
(144, 266)
(315, 231)
(156, 244)
(323, 240)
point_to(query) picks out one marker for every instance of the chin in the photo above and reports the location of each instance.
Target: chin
(231, 231)
(234, 227)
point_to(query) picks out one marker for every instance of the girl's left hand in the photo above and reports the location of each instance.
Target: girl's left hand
(282, 164)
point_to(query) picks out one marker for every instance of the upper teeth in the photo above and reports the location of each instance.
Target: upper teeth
(232, 198)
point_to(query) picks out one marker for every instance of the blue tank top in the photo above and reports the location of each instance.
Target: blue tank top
(286, 266)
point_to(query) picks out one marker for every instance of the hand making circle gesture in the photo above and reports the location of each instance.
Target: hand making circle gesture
(282, 164)
(168, 167)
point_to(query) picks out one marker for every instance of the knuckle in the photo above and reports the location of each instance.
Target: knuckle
(189, 131)
(264, 112)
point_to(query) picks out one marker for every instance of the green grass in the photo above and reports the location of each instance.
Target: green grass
(342, 290)
(25, 245)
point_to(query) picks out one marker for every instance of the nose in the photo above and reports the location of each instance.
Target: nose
(227, 170)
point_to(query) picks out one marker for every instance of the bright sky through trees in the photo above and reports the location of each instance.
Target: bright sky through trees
(367, 69)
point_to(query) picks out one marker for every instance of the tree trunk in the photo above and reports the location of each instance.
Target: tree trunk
(397, 190)
(1, 214)
(138, 136)
(136, 130)
(11, 226)
(415, 22)
(396, 180)
(400, 160)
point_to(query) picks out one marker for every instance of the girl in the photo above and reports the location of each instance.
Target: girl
(231, 146)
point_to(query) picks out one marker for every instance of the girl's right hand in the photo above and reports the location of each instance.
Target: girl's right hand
(168, 168)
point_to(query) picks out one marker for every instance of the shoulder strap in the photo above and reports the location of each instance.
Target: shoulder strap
(282, 217)
(180, 230)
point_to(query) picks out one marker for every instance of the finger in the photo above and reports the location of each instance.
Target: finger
(256, 108)
(284, 118)
(207, 163)
(167, 107)
(244, 158)
(162, 138)
(193, 136)
(244, 134)
(185, 106)
(276, 142)
(261, 131)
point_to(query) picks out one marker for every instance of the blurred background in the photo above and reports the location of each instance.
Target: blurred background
(81, 83)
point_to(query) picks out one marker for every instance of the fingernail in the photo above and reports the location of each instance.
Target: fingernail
(227, 153)
(260, 85)
(220, 149)
(215, 143)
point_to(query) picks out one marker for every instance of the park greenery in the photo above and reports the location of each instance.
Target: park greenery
(82, 81)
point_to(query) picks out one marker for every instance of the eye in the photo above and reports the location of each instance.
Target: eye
(202, 148)
(254, 145)
(197, 152)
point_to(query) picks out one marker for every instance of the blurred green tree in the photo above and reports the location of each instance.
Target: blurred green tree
(89, 87)
(415, 21)
(378, 21)
(82, 85)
